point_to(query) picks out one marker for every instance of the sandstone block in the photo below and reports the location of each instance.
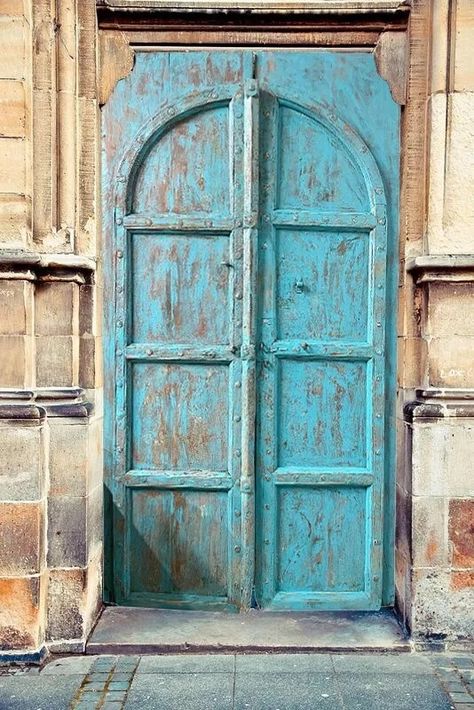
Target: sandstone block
(430, 532)
(458, 217)
(450, 309)
(22, 461)
(437, 609)
(14, 220)
(21, 538)
(54, 308)
(463, 67)
(451, 361)
(462, 579)
(68, 458)
(12, 41)
(12, 108)
(442, 456)
(65, 619)
(54, 361)
(13, 357)
(461, 532)
(12, 7)
(67, 532)
(20, 613)
(12, 166)
(86, 309)
(15, 307)
(87, 361)
(95, 459)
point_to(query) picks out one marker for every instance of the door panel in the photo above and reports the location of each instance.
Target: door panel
(320, 385)
(179, 303)
(246, 227)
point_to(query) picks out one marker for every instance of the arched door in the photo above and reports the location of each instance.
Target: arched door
(247, 225)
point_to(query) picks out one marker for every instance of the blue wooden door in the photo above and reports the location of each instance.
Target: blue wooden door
(249, 200)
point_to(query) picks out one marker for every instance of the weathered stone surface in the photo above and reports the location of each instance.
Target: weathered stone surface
(68, 458)
(441, 454)
(12, 108)
(67, 532)
(22, 461)
(74, 600)
(15, 307)
(20, 613)
(65, 600)
(448, 304)
(458, 218)
(12, 41)
(55, 308)
(430, 532)
(451, 361)
(462, 579)
(12, 166)
(461, 532)
(21, 538)
(439, 612)
(87, 361)
(464, 66)
(12, 7)
(14, 220)
(54, 361)
(13, 356)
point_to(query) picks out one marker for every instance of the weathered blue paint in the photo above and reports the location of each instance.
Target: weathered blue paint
(248, 206)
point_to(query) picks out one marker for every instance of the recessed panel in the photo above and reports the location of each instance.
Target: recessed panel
(322, 285)
(315, 167)
(180, 416)
(178, 542)
(322, 413)
(180, 288)
(188, 169)
(321, 539)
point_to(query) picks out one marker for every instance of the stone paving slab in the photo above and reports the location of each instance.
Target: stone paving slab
(414, 681)
(193, 691)
(387, 692)
(38, 692)
(127, 629)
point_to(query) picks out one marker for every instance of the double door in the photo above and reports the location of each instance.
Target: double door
(248, 200)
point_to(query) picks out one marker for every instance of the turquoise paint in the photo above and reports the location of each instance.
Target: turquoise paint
(246, 225)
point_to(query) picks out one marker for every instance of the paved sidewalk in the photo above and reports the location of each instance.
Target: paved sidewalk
(244, 682)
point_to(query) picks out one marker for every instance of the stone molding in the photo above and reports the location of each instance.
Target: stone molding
(40, 402)
(452, 268)
(302, 6)
(433, 403)
(34, 266)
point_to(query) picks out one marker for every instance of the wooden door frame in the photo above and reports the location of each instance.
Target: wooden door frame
(399, 37)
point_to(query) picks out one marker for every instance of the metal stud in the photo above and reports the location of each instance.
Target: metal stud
(149, 352)
(237, 548)
(119, 221)
(119, 254)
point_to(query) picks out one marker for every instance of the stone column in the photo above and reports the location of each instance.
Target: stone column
(440, 422)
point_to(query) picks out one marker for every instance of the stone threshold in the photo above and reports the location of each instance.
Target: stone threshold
(123, 630)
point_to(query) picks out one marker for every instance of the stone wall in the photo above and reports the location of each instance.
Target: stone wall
(50, 374)
(435, 489)
(50, 326)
